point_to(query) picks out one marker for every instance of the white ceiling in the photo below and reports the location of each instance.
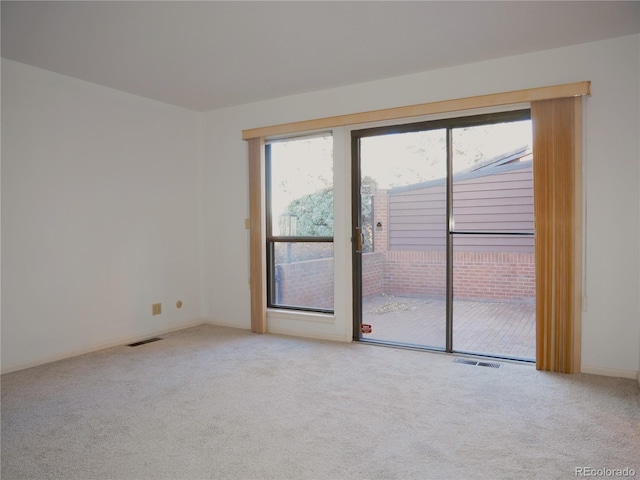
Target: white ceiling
(209, 54)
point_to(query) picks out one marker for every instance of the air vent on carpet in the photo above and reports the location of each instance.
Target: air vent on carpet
(476, 363)
(142, 342)
(489, 364)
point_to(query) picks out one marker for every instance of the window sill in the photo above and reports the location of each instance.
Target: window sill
(315, 317)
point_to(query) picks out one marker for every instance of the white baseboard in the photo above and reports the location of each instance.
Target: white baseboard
(217, 323)
(611, 372)
(99, 346)
(307, 334)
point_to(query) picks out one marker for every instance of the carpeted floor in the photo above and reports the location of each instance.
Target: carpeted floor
(218, 403)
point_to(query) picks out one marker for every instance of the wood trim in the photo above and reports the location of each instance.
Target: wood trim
(257, 236)
(445, 106)
(557, 180)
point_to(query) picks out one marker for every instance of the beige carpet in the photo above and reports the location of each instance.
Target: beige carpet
(211, 402)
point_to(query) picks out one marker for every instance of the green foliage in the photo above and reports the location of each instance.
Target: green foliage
(314, 213)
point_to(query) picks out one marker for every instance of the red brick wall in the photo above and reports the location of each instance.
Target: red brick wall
(498, 276)
(507, 277)
(415, 274)
(381, 208)
(373, 273)
(307, 284)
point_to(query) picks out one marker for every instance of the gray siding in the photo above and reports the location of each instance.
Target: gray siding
(499, 202)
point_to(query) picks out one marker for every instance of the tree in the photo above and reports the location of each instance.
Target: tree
(314, 213)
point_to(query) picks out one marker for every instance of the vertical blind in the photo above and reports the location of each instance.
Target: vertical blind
(257, 242)
(557, 181)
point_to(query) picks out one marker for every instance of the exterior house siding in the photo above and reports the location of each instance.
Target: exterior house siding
(499, 202)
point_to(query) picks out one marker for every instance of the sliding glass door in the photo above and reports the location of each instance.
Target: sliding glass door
(402, 231)
(443, 235)
(492, 240)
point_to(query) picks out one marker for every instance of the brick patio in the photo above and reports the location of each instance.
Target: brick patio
(493, 328)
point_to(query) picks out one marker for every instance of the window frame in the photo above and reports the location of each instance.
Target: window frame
(272, 239)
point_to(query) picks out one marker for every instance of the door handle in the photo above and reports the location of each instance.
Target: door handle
(358, 240)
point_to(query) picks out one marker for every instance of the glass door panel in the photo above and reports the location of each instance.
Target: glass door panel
(403, 221)
(493, 242)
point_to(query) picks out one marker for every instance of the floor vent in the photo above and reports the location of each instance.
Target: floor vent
(476, 363)
(465, 361)
(489, 364)
(142, 342)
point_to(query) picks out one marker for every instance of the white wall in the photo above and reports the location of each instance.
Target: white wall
(611, 325)
(99, 216)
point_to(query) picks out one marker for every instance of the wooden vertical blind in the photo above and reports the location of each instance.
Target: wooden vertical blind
(557, 180)
(257, 239)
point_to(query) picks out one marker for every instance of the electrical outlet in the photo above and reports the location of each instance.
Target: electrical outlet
(156, 309)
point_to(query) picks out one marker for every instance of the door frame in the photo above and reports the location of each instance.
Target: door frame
(356, 254)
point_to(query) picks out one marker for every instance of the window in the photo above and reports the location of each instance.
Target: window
(299, 223)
